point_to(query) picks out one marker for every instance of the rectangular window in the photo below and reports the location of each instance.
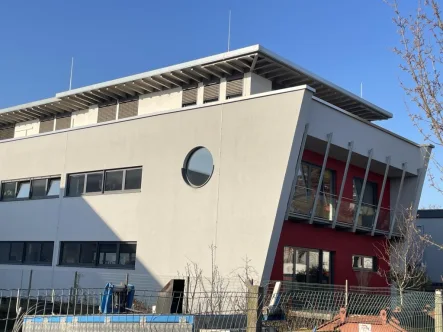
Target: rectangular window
(363, 263)
(307, 265)
(368, 206)
(112, 180)
(99, 254)
(31, 189)
(94, 182)
(133, 179)
(211, 93)
(32, 253)
(307, 185)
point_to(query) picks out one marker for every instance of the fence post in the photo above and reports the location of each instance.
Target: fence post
(438, 311)
(254, 303)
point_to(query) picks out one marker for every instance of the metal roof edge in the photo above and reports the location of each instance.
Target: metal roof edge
(430, 213)
(183, 65)
(322, 80)
(31, 104)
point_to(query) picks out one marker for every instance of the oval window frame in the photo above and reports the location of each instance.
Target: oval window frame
(185, 168)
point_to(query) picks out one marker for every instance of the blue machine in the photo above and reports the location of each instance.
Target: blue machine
(117, 299)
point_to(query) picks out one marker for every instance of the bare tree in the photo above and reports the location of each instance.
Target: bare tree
(403, 255)
(421, 52)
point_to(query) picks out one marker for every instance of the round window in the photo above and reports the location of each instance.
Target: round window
(198, 167)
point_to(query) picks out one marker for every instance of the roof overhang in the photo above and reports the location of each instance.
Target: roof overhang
(255, 59)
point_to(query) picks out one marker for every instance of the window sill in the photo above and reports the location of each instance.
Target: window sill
(363, 270)
(26, 264)
(112, 192)
(106, 267)
(27, 199)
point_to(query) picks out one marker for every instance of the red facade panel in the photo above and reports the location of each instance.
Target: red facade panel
(343, 244)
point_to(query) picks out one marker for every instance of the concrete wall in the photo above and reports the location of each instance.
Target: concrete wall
(172, 222)
(84, 117)
(160, 101)
(27, 128)
(253, 84)
(433, 255)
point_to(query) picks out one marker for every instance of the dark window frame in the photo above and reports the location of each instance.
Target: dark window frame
(374, 267)
(103, 191)
(48, 180)
(96, 263)
(371, 183)
(23, 260)
(333, 177)
(320, 264)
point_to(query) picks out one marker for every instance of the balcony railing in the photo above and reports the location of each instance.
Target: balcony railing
(302, 204)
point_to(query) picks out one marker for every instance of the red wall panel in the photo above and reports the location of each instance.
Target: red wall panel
(344, 244)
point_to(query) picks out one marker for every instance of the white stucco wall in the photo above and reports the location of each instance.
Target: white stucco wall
(27, 128)
(160, 101)
(84, 117)
(253, 84)
(239, 210)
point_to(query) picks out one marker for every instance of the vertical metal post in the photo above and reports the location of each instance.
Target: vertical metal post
(363, 187)
(297, 167)
(397, 201)
(343, 182)
(187, 294)
(346, 293)
(438, 323)
(127, 279)
(320, 181)
(29, 283)
(374, 226)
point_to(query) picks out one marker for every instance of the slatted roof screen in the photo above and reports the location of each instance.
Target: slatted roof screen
(127, 109)
(47, 125)
(234, 88)
(63, 121)
(211, 92)
(189, 97)
(107, 113)
(7, 132)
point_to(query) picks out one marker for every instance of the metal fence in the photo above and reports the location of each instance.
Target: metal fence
(275, 306)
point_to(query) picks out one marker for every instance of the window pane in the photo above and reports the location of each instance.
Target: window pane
(368, 263)
(4, 252)
(314, 258)
(108, 254)
(133, 179)
(326, 273)
(70, 253)
(356, 262)
(288, 260)
(54, 187)
(16, 254)
(301, 259)
(8, 190)
(39, 188)
(94, 182)
(32, 254)
(88, 253)
(76, 184)
(127, 254)
(46, 252)
(114, 180)
(23, 189)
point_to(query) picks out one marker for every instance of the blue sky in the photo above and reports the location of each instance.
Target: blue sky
(344, 41)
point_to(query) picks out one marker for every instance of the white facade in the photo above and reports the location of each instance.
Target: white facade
(255, 141)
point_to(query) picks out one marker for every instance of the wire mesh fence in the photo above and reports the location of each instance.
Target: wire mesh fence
(275, 306)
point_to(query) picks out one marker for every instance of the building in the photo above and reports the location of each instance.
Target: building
(140, 175)
(429, 222)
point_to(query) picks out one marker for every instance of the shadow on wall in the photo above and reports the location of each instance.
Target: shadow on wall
(97, 217)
